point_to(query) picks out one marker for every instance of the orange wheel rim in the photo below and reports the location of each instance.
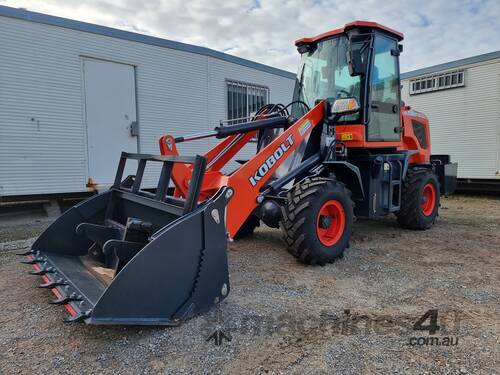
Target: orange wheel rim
(428, 200)
(330, 222)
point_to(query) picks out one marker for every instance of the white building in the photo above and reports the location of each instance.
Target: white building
(462, 101)
(73, 95)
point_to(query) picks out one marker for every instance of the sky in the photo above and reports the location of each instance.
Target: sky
(436, 31)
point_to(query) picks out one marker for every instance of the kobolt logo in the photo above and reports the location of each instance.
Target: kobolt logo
(271, 160)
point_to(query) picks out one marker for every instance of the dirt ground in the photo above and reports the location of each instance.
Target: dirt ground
(355, 316)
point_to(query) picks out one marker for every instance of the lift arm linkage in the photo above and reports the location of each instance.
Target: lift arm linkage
(249, 179)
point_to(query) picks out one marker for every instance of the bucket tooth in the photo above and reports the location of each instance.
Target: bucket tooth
(42, 271)
(67, 299)
(77, 318)
(33, 261)
(52, 284)
(26, 253)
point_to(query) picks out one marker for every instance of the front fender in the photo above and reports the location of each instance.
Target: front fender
(349, 174)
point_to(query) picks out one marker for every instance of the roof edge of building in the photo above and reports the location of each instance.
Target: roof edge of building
(452, 64)
(67, 23)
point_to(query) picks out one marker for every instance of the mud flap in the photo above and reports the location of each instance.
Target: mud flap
(132, 257)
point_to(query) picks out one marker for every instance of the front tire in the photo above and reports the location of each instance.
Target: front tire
(317, 220)
(419, 200)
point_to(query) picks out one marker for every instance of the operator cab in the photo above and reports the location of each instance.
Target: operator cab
(361, 61)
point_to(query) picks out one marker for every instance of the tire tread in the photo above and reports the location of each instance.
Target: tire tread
(300, 198)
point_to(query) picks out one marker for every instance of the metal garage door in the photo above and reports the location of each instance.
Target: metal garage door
(110, 109)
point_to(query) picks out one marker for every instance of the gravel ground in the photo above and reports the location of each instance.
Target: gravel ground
(355, 316)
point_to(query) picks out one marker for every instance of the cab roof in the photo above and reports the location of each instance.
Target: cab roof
(349, 26)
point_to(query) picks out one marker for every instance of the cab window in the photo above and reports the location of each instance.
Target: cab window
(384, 94)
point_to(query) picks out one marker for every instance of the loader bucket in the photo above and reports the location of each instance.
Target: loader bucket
(128, 256)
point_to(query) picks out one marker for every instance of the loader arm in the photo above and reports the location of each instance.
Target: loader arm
(249, 179)
(216, 158)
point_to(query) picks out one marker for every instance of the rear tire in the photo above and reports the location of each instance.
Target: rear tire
(419, 200)
(317, 220)
(247, 228)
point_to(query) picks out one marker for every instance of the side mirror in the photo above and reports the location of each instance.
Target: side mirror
(355, 63)
(345, 106)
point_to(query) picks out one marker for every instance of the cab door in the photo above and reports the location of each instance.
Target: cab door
(384, 119)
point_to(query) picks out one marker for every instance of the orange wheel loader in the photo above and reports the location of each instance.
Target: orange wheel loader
(345, 146)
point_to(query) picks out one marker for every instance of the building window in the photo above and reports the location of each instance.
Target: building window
(436, 82)
(244, 99)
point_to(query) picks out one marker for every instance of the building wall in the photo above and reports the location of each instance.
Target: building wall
(465, 121)
(42, 122)
(281, 91)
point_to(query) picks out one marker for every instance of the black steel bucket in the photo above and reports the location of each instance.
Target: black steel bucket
(128, 256)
